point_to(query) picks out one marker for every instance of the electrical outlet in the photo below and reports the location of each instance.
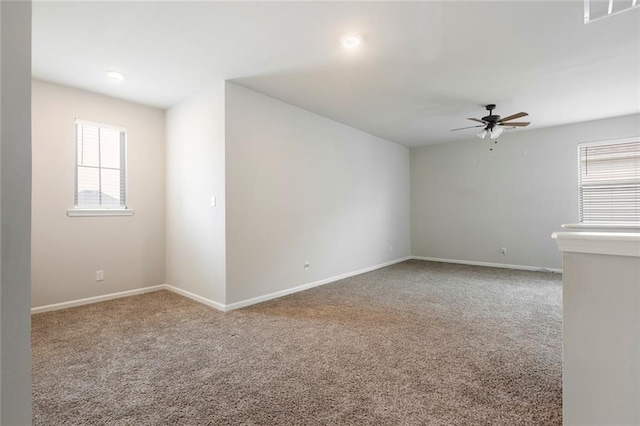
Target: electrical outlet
(307, 265)
(100, 275)
(503, 250)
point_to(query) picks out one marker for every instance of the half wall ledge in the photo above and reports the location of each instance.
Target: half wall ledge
(599, 242)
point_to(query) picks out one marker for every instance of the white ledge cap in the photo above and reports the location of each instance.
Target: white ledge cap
(609, 243)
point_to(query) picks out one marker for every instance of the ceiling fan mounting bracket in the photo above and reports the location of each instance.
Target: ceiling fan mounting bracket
(491, 119)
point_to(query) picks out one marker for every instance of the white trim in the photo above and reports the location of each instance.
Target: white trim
(208, 302)
(489, 264)
(609, 141)
(99, 124)
(99, 212)
(275, 295)
(607, 243)
(217, 305)
(96, 299)
(248, 302)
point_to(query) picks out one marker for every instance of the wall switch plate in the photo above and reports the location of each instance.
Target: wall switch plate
(307, 265)
(503, 250)
(100, 275)
(213, 201)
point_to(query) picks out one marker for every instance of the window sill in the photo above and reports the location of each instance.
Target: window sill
(611, 227)
(99, 212)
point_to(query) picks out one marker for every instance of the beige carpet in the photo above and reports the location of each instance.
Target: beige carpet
(417, 343)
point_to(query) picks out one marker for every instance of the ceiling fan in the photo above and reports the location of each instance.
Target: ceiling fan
(494, 125)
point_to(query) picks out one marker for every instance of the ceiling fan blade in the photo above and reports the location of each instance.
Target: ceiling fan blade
(476, 119)
(511, 117)
(515, 124)
(470, 127)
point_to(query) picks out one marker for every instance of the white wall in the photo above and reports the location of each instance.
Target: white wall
(67, 251)
(467, 202)
(601, 356)
(195, 173)
(301, 187)
(15, 216)
(601, 350)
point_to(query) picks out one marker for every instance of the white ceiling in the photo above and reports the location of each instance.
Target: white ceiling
(422, 67)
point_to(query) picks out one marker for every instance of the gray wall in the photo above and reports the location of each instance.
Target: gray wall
(195, 172)
(67, 251)
(467, 202)
(15, 212)
(301, 187)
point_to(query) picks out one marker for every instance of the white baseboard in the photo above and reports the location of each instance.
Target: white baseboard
(96, 299)
(217, 305)
(275, 295)
(492, 265)
(243, 303)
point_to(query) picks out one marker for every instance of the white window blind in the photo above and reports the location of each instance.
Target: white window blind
(610, 182)
(100, 166)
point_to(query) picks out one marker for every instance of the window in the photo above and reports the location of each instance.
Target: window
(610, 182)
(101, 179)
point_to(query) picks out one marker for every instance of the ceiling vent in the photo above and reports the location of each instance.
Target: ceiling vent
(597, 9)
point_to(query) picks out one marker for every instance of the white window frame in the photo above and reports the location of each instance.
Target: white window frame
(123, 210)
(601, 224)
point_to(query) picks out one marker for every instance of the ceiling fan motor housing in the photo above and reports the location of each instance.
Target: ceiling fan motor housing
(491, 118)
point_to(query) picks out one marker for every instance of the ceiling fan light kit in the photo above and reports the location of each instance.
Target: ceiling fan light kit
(493, 125)
(496, 132)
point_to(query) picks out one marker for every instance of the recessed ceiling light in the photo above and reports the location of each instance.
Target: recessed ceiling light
(115, 75)
(350, 41)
